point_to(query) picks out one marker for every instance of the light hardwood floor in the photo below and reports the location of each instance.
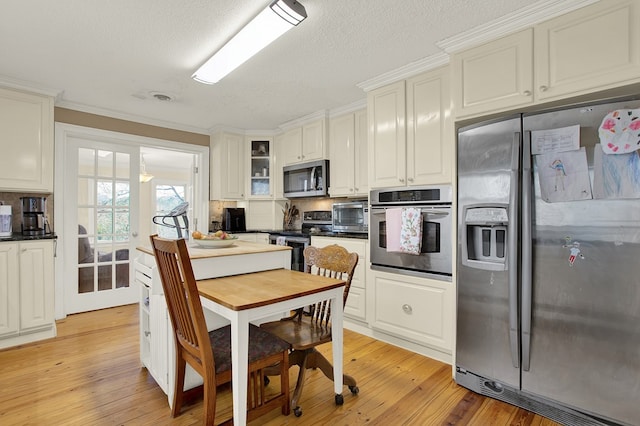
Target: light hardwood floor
(91, 375)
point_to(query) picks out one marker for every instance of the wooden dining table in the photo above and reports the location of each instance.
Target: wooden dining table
(254, 296)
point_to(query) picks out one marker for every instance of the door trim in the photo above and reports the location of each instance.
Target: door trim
(62, 132)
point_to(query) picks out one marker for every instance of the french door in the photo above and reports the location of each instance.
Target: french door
(101, 196)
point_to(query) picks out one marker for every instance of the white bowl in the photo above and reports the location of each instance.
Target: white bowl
(208, 243)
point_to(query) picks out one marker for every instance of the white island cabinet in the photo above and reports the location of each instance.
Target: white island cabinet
(157, 349)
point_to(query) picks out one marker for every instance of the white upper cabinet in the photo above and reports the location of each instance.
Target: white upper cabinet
(410, 133)
(429, 129)
(494, 76)
(292, 146)
(591, 49)
(387, 147)
(306, 143)
(26, 142)
(314, 140)
(227, 167)
(348, 155)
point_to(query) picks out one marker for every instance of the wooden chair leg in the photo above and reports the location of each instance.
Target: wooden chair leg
(284, 385)
(317, 360)
(209, 401)
(179, 384)
(300, 382)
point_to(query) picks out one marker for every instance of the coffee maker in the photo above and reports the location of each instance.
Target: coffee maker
(34, 215)
(233, 220)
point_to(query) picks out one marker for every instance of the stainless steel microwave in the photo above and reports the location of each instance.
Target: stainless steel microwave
(350, 217)
(306, 180)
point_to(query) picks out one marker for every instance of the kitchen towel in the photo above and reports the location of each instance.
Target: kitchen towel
(281, 241)
(393, 218)
(411, 230)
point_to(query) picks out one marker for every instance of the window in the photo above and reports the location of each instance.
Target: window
(167, 197)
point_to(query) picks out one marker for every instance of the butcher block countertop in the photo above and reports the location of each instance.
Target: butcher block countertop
(239, 247)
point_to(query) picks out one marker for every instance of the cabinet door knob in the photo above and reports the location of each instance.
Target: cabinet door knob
(543, 88)
(410, 179)
(527, 93)
(401, 180)
(407, 308)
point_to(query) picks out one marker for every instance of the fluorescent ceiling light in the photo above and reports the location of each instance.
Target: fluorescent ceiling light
(271, 23)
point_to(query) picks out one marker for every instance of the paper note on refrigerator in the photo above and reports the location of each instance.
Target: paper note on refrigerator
(564, 176)
(555, 140)
(615, 176)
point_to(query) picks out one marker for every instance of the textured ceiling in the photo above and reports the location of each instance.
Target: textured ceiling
(109, 56)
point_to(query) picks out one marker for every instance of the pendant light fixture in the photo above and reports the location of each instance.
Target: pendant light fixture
(271, 23)
(144, 176)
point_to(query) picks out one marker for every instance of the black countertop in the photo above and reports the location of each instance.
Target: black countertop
(17, 236)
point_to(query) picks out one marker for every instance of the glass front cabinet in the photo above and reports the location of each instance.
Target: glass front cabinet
(260, 167)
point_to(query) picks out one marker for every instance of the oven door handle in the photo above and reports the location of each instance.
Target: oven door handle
(427, 211)
(444, 212)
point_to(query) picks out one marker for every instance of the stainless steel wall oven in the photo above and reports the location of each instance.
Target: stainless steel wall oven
(435, 255)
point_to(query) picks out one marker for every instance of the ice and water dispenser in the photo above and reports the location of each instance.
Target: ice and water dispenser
(485, 237)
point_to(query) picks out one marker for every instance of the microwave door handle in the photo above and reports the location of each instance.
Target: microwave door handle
(313, 179)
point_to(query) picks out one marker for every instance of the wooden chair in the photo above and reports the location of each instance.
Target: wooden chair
(305, 331)
(209, 352)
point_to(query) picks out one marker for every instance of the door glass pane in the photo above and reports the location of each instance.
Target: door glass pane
(86, 219)
(122, 165)
(122, 225)
(105, 224)
(122, 194)
(105, 193)
(86, 161)
(104, 277)
(105, 163)
(85, 280)
(86, 191)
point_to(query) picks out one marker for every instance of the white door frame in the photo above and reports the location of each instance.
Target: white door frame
(62, 132)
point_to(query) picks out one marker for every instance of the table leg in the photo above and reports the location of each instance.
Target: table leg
(239, 366)
(337, 339)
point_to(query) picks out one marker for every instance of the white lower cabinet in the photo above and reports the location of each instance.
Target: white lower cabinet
(355, 307)
(412, 308)
(26, 292)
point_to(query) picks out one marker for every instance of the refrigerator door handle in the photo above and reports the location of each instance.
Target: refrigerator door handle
(512, 256)
(526, 251)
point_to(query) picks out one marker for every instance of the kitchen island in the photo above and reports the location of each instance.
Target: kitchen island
(157, 350)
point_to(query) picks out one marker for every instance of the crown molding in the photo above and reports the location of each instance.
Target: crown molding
(130, 117)
(254, 132)
(315, 116)
(349, 108)
(226, 129)
(406, 71)
(26, 86)
(515, 21)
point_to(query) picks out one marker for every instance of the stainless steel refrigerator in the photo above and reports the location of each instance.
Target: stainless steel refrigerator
(548, 263)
